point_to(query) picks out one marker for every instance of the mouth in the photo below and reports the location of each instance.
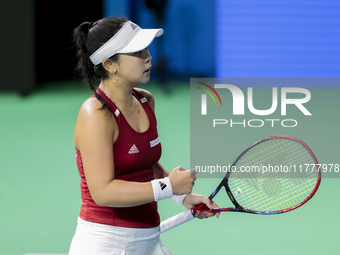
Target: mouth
(148, 70)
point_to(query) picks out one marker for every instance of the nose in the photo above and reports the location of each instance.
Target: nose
(148, 57)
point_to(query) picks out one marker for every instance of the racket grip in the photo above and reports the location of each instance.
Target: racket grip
(177, 220)
(201, 208)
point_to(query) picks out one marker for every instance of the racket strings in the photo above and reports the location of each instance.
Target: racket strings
(273, 190)
(283, 158)
(260, 155)
(274, 185)
(266, 203)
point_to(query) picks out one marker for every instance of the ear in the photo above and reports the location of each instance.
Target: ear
(109, 66)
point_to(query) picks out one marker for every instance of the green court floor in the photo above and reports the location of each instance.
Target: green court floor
(39, 182)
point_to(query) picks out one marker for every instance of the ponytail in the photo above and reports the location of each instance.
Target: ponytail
(88, 37)
(84, 67)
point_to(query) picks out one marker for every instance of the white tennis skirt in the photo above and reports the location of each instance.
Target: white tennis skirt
(100, 239)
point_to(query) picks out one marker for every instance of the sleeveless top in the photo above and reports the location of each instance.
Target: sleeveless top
(134, 155)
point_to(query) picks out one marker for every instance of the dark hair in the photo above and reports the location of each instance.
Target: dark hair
(88, 37)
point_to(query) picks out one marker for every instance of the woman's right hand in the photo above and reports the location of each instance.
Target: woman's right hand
(182, 181)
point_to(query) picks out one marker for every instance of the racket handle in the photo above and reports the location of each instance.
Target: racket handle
(175, 221)
(203, 208)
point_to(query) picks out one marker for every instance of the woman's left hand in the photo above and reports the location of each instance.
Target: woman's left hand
(192, 199)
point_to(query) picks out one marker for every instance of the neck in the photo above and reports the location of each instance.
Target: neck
(118, 94)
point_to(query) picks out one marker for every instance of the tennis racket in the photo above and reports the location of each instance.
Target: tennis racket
(275, 175)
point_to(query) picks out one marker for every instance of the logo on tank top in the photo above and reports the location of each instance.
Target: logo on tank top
(133, 149)
(154, 142)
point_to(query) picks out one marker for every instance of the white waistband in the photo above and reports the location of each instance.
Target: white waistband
(137, 234)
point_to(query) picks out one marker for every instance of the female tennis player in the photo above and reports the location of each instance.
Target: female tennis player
(118, 148)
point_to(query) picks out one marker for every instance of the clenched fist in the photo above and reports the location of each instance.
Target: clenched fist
(182, 181)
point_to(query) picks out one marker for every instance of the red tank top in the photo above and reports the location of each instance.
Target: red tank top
(134, 155)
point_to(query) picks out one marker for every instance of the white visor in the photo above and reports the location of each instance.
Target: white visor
(130, 38)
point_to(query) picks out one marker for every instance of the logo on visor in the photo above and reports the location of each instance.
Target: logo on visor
(133, 26)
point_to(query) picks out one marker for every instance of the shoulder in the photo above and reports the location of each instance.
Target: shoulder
(92, 121)
(148, 96)
(90, 109)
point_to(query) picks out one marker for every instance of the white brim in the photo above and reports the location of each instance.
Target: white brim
(130, 38)
(141, 40)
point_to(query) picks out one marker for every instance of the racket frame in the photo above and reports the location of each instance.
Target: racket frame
(239, 208)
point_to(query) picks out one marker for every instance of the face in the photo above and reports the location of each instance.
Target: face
(134, 68)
